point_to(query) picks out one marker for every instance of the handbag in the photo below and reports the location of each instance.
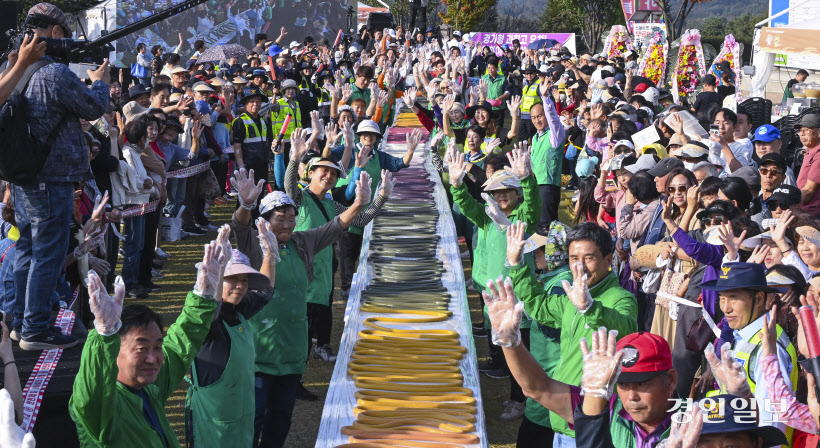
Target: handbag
(138, 71)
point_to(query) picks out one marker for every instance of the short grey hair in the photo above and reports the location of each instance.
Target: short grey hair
(710, 169)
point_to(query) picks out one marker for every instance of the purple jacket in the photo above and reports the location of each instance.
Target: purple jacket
(704, 253)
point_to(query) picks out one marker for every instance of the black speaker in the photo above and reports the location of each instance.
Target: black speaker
(379, 20)
(8, 21)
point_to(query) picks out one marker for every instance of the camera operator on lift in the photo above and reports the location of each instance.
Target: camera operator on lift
(56, 99)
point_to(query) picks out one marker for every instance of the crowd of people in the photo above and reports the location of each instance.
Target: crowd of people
(665, 310)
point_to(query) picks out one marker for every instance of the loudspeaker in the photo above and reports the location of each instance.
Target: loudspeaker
(8, 21)
(379, 20)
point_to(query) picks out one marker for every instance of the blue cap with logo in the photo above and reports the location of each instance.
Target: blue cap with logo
(739, 276)
(766, 133)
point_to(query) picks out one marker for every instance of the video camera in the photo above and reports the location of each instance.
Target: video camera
(66, 50)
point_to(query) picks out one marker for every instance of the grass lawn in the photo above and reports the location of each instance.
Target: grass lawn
(179, 279)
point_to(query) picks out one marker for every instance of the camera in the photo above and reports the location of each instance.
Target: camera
(55, 48)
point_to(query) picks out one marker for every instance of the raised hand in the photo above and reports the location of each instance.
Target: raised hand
(602, 364)
(729, 373)
(457, 168)
(759, 254)
(413, 139)
(783, 223)
(242, 182)
(363, 156)
(209, 271)
(578, 293)
(514, 104)
(505, 313)
(347, 129)
(331, 133)
(223, 239)
(267, 239)
(363, 192)
(693, 197)
(483, 87)
(410, 97)
(519, 162)
(332, 90)
(492, 146)
(447, 105)
(495, 213)
(768, 337)
(89, 243)
(99, 208)
(298, 147)
(515, 243)
(727, 237)
(106, 309)
(347, 91)
(382, 98)
(98, 264)
(387, 184)
(686, 427)
(11, 434)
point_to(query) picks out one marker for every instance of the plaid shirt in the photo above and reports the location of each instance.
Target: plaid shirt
(57, 98)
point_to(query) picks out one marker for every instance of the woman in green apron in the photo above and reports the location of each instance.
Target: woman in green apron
(280, 330)
(316, 208)
(483, 115)
(220, 402)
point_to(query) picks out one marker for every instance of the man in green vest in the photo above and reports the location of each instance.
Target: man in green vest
(578, 311)
(279, 111)
(361, 84)
(742, 288)
(495, 90)
(251, 135)
(646, 386)
(316, 208)
(547, 156)
(280, 329)
(128, 370)
(529, 98)
(369, 138)
(220, 402)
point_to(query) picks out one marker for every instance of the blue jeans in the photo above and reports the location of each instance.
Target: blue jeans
(275, 398)
(176, 195)
(134, 240)
(43, 213)
(563, 441)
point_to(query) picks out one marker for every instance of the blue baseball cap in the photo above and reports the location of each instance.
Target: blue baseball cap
(721, 417)
(766, 133)
(740, 276)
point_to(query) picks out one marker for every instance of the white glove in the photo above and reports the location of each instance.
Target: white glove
(685, 435)
(242, 182)
(387, 185)
(106, 309)
(11, 435)
(457, 165)
(223, 239)
(267, 239)
(495, 213)
(363, 192)
(578, 293)
(729, 374)
(98, 264)
(209, 271)
(505, 313)
(602, 364)
(90, 242)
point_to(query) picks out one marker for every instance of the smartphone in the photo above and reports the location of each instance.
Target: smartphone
(81, 69)
(714, 129)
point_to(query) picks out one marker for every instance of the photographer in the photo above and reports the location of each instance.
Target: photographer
(56, 99)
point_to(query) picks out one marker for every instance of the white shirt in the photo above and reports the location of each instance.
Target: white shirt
(742, 149)
(761, 392)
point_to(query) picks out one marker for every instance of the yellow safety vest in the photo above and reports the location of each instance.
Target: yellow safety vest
(252, 134)
(324, 99)
(278, 118)
(746, 354)
(530, 96)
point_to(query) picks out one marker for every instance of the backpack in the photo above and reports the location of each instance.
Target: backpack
(21, 156)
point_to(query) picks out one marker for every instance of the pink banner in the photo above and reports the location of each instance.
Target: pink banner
(496, 40)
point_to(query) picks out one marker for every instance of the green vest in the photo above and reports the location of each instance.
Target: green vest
(623, 430)
(280, 329)
(223, 412)
(495, 89)
(546, 348)
(530, 96)
(255, 145)
(278, 118)
(311, 217)
(547, 161)
(374, 169)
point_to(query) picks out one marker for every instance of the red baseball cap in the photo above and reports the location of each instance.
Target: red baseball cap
(641, 88)
(646, 356)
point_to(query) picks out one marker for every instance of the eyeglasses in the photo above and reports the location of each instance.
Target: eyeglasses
(716, 220)
(772, 171)
(623, 150)
(680, 189)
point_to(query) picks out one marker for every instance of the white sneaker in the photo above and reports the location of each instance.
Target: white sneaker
(513, 410)
(162, 254)
(465, 255)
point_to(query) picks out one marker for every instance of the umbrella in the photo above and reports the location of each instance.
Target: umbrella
(542, 43)
(221, 53)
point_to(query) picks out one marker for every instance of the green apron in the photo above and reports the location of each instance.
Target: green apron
(223, 412)
(280, 329)
(547, 160)
(374, 169)
(311, 217)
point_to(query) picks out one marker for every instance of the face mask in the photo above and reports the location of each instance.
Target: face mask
(562, 97)
(689, 165)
